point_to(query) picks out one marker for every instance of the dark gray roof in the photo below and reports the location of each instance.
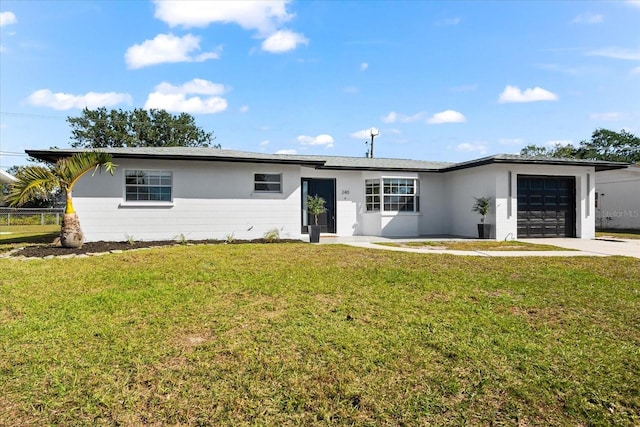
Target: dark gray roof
(322, 162)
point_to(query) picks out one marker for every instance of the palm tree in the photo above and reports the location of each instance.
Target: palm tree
(40, 180)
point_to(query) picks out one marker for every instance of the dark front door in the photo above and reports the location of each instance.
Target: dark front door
(546, 206)
(325, 188)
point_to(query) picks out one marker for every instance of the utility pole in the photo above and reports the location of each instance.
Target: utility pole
(374, 132)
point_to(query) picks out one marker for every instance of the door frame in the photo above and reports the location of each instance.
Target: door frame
(331, 205)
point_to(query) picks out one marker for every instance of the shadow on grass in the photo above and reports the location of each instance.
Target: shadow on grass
(30, 238)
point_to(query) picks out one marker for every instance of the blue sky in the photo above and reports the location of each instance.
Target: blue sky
(447, 81)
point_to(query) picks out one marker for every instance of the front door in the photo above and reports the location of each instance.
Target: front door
(325, 188)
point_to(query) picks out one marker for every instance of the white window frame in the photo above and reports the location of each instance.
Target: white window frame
(153, 174)
(391, 190)
(256, 182)
(372, 196)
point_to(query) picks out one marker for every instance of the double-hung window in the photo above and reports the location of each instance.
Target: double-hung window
(148, 186)
(267, 183)
(392, 195)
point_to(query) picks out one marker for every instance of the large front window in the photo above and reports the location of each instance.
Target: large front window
(152, 186)
(398, 195)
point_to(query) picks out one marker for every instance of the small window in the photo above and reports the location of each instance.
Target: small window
(372, 195)
(148, 186)
(267, 183)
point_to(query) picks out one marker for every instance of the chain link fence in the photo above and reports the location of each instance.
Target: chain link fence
(28, 216)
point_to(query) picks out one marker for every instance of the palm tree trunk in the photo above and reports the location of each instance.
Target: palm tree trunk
(71, 235)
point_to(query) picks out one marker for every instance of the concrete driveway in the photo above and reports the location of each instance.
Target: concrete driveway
(598, 246)
(575, 247)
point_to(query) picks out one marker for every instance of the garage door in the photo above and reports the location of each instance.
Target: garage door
(546, 206)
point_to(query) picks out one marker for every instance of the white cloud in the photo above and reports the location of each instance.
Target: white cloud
(197, 86)
(350, 89)
(265, 143)
(472, 147)
(448, 116)
(514, 94)
(635, 70)
(395, 131)
(511, 141)
(66, 101)
(635, 3)
(286, 152)
(264, 16)
(323, 139)
(617, 53)
(166, 48)
(364, 66)
(393, 117)
(7, 18)
(588, 18)
(283, 41)
(174, 98)
(362, 134)
(390, 118)
(244, 109)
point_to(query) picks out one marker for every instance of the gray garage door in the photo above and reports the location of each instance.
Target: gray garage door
(546, 206)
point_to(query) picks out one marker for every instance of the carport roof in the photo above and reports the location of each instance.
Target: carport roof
(321, 162)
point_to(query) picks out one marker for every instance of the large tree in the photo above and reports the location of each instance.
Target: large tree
(138, 128)
(604, 144)
(36, 181)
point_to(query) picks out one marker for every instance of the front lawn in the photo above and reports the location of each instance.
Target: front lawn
(300, 334)
(621, 234)
(18, 235)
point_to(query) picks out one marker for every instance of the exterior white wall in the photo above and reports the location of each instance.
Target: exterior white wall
(390, 224)
(618, 198)
(585, 204)
(433, 204)
(349, 197)
(461, 186)
(211, 200)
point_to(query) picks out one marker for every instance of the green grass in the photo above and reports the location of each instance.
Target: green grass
(299, 334)
(475, 245)
(19, 235)
(622, 234)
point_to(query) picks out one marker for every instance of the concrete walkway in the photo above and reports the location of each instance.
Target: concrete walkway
(576, 247)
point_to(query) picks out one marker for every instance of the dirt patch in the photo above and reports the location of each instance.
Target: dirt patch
(42, 251)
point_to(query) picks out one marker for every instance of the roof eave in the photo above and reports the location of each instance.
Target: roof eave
(52, 156)
(598, 165)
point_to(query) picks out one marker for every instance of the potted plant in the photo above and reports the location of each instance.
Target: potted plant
(315, 206)
(483, 206)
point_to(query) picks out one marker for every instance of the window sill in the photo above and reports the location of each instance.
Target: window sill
(125, 205)
(393, 213)
(267, 195)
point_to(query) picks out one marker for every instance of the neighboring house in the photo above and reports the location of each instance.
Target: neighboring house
(5, 178)
(618, 198)
(203, 193)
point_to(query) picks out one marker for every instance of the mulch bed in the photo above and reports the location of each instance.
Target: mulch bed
(99, 247)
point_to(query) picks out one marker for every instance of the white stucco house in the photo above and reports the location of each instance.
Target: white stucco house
(204, 193)
(618, 198)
